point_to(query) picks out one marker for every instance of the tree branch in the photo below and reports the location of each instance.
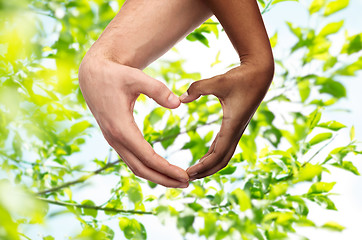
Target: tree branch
(316, 153)
(220, 206)
(193, 128)
(84, 178)
(79, 180)
(116, 210)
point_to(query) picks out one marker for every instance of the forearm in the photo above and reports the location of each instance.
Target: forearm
(142, 31)
(244, 26)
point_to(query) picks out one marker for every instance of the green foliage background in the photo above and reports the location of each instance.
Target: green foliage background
(44, 122)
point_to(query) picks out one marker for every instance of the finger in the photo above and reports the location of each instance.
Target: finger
(201, 87)
(157, 91)
(130, 137)
(227, 140)
(211, 149)
(140, 170)
(223, 163)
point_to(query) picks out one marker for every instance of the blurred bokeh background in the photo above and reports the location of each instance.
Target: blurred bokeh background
(295, 174)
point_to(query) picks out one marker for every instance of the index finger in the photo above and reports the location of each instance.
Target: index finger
(132, 139)
(220, 151)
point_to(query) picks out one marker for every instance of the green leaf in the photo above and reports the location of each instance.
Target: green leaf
(48, 238)
(108, 232)
(208, 136)
(210, 219)
(152, 184)
(333, 226)
(77, 128)
(332, 125)
(352, 133)
(335, 6)
(304, 89)
(331, 62)
(195, 206)
(351, 69)
(211, 26)
(331, 28)
(241, 198)
(321, 187)
(262, 3)
(217, 60)
(274, 40)
(114, 203)
(274, 135)
(316, 5)
(322, 200)
(197, 36)
(278, 1)
(135, 194)
(172, 193)
(123, 223)
(305, 222)
(170, 136)
(320, 138)
(308, 172)
(314, 118)
(347, 165)
(156, 115)
(89, 212)
(279, 217)
(296, 30)
(353, 45)
(132, 229)
(334, 88)
(185, 223)
(278, 190)
(229, 169)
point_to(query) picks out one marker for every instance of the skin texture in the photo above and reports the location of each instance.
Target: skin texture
(111, 79)
(241, 89)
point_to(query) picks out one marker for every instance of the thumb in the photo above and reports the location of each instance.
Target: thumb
(198, 88)
(159, 92)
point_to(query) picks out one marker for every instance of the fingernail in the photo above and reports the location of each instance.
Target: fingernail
(184, 185)
(193, 174)
(183, 96)
(185, 180)
(173, 99)
(192, 179)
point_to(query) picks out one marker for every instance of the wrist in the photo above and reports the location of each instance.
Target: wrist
(105, 50)
(262, 63)
(108, 47)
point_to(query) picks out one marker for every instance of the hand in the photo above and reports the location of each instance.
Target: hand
(240, 92)
(110, 91)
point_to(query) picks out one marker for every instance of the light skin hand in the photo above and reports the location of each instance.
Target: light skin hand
(241, 89)
(111, 78)
(110, 93)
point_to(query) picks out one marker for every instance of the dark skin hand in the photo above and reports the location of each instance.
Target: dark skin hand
(241, 89)
(111, 78)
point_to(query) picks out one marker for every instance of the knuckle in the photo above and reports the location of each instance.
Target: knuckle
(223, 165)
(159, 90)
(195, 87)
(137, 171)
(216, 152)
(115, 135)
(218, 80)
(149, 157)
(153, 157)
(219, 155)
